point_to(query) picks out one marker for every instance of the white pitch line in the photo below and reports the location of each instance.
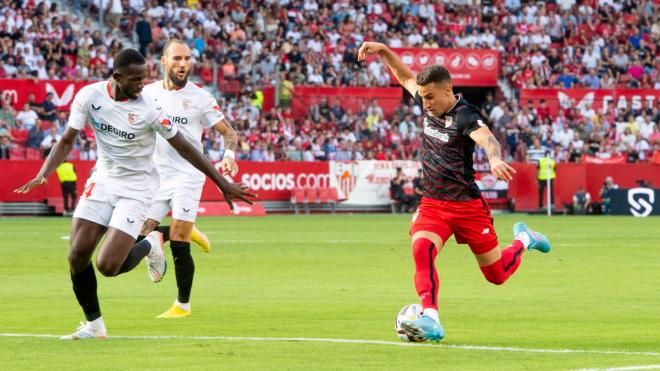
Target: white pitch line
(357, 341)
(625, 368)
(309, 242)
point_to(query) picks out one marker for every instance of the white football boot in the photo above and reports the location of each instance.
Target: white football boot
(156, 262)
(88, 330)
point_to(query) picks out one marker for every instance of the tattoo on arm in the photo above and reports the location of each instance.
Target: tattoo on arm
(493, 149)
(231, 140)
(230, 136)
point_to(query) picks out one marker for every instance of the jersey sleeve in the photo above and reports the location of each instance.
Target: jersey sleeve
(162, 123)
(470, 121)
(211, 113)
(78, 115)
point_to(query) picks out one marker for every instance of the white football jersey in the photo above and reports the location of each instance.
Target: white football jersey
(191, 109)
(125, 138)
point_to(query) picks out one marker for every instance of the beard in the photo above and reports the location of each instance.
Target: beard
(176, 80)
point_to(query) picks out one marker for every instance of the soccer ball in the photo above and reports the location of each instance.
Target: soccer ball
(410, 312)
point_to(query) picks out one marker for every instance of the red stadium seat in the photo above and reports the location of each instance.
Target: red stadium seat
(20, 136)
(75, 154)
(328, 196)
(312, 195)
(17, 152)
(298, 197)
(33, 154)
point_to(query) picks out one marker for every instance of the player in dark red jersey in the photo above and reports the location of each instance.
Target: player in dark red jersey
(452, 202)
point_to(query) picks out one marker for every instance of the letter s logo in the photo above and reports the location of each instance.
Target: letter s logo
(641, 201)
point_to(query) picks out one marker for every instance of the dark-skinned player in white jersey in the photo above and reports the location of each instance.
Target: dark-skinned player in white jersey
(118, 194)
(452, 202)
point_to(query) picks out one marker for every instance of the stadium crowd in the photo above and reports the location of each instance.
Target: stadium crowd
(594, 44)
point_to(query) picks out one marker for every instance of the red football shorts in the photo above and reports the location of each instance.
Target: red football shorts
(470, 221)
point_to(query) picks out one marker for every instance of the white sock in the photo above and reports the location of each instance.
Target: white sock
(97, 323)
(433, 313)
(184, 306)
(523, 237)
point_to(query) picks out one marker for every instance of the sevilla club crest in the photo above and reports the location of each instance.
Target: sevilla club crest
(132, 118)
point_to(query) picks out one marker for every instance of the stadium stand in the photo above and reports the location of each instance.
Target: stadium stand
(569, 44)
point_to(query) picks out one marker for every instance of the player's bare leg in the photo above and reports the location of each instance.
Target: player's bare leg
(198, 237)
(426, 246)
(149, 226)
(118, 254)
(85, 235)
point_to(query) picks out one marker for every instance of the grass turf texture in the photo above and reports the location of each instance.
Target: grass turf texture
(342, 277)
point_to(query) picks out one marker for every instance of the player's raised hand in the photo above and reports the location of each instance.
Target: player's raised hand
(367, 48)
(501, 169)
(237, 191)
(228, 166)
(27, 187)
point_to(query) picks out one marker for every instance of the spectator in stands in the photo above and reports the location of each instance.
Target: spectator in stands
(343, 152)
(27, 116)
(143, 31)
(48, 109)
(7, 113)
(5, 146)
(88, 150)
(214, 154)
(566, 79)
(34, 105)
(536, 152)
(50, 139)
(488, 105)
(283, 43)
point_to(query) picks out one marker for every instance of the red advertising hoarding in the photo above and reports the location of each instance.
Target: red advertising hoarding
(65, 90)
(19, 90)
(273, 181)
(468, 67)
(350, 98)
(578, 98)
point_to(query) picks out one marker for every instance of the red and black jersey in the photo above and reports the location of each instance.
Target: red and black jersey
(447, 152)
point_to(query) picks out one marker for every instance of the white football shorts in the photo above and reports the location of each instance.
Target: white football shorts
(180, 196)
(100, 206)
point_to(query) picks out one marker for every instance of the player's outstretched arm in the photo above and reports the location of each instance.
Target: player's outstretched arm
(230, 191)
(228, 164)
(401, 71)
(57, 154)
(485, 138)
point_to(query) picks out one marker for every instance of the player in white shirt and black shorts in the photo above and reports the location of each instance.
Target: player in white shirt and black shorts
(119, 193)
(192, 109)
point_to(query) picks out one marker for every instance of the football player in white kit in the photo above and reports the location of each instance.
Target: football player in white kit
(119, 193)
(192, 109)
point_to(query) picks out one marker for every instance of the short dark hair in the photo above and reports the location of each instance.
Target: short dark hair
(433, 73)
(173, 39)
(127, 57)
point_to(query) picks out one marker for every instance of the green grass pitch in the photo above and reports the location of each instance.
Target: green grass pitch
(342, 277)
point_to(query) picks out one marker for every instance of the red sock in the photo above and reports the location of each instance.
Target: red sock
(426, 276)
(502, 269)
